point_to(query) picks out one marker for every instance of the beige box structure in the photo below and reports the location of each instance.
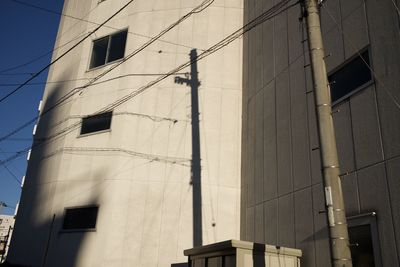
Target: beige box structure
(236, 253)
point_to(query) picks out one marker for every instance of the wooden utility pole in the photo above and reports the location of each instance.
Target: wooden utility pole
(194, 84)
(334, 202)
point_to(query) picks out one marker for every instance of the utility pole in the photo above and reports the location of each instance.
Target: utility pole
(334, 202)
(194, 84)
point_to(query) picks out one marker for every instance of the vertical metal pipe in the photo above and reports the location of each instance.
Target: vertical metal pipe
(335, 209)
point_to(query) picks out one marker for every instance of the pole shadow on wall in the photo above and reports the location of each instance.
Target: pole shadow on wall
(191, 79)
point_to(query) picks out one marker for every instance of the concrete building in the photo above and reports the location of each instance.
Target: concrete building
(115, 189)
(6, 228)
(282, 192)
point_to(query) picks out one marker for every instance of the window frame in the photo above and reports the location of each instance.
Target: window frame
(359, 88)
(96, 132)
(108, 36)
(371, 220)
(63, 230)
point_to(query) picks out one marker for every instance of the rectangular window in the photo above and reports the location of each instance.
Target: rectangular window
(108, 49)
(80, 218)
(96, 123)
(364, 240)
(350, 77)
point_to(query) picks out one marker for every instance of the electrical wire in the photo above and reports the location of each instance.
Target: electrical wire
(150, 157)
(396, 7)
(92, 81)
(9, 171)
(54, 49)
(269, 14)
(87, 21)
(89, 79)
(65, 53)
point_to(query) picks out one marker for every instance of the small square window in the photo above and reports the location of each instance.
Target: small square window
(351, 76)
(80, 218)
(96, 123)
(108, 49)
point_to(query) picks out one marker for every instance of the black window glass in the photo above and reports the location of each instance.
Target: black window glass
(80, 218)
(350, 77)
(99, 52)
(96, 123)
(362, 251)
(108, 49)
(117, 46)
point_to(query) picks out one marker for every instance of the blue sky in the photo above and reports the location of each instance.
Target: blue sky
(27, 34)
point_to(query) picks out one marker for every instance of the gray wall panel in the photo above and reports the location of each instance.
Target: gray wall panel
(374, 197)
(312, 119)
(271, 221)
(281, 41)
(329, 14)
(316, 173)
(268, 51)
(300, 144)
(344, 136)
(348, 6)
(259, 224)
(304, 226)
(295, 34)
(393, 175)
(355, 33)
(250, 223)
(270, 158)
(367, 143)
(333, 41)
(350, 193)
(286, 235)
(285, 183)
(251, 153)
(259, 148)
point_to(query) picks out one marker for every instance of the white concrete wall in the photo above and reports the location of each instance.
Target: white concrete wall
(145, 207)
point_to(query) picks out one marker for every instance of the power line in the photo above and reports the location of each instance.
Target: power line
(271, 13)
(86, 79)
(75, 90)
(38, 58)
(10, 172)
(63, 54)
(54, 49)
(83, 20)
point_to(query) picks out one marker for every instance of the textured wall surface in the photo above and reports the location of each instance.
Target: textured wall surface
(282, 192)
(139, 171)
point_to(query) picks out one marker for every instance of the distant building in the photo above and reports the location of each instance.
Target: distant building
(109, 178)
(6, 228)
(282, 191)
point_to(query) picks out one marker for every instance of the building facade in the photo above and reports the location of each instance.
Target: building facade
(109, 178)
(6, 228)
(282, 191)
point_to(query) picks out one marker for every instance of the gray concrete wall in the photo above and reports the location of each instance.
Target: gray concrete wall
(145, 202)
(282, 192)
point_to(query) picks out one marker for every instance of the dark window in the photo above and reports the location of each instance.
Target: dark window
(80, 218)
(362, 251)
(364, 239)
(108, 49)
(96, 123)
(350, 77)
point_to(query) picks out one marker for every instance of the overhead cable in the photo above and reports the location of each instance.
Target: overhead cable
(63, 54)
(269, 14)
